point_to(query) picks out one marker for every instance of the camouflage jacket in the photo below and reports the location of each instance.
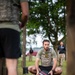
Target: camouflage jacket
(46, 57)
(9, 11)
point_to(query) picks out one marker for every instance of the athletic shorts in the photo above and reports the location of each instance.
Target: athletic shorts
(9, 43)
(47, 69)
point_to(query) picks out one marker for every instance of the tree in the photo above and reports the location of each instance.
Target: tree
(24, 49)
(70, 37)
(50, 16)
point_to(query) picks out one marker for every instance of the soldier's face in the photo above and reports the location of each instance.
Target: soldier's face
(61, 43)
(46, 45)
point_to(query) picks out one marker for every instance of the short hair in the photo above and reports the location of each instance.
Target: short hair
(45, 41)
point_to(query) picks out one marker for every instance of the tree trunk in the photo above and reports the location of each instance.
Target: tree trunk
(70, 37)
(24, 49)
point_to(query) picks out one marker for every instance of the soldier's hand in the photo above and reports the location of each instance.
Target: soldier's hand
(50, 73)
(21, 25)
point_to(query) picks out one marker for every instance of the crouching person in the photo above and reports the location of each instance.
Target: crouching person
(48, 60)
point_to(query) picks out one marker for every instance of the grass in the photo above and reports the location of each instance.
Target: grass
(64, 68)
(28, 63)
(20, 70)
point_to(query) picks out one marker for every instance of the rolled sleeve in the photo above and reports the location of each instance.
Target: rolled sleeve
(38, 54)
(54, 54)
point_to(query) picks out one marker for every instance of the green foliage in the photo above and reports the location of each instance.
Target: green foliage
(50, 16)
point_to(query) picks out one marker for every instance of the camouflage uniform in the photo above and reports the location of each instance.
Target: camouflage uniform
(9, 30)
(10, 14)
(46, 57)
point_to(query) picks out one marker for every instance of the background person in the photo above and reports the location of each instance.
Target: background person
(30, 54)
(61, 53)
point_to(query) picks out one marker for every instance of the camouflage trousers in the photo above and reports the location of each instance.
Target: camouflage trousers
(61, 58)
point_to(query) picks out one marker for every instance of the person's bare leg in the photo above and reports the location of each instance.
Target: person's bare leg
(11, 65)
(32, 69)
(58, 71)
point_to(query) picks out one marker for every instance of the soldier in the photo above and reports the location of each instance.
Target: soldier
(30, 54)
(10, 31)
(48, 60)
(61, 53)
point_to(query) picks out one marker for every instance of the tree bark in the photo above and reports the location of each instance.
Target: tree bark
(24, 49)
(70, 37)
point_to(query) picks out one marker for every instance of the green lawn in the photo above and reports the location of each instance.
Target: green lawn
(20, 71)
(64, 68)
